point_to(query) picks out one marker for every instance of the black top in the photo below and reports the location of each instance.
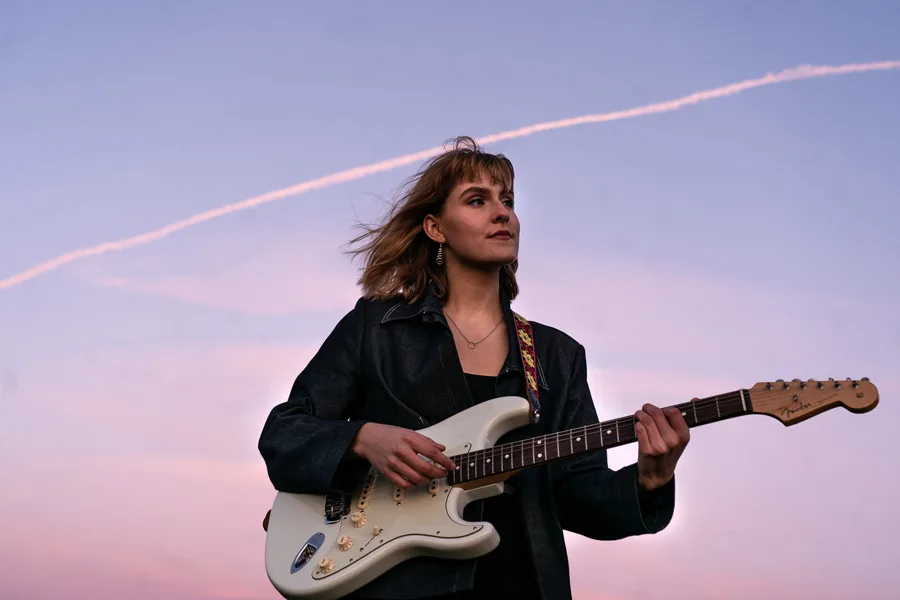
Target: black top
(507, 571)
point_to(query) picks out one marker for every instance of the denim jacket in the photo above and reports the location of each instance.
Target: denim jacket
(395, 362)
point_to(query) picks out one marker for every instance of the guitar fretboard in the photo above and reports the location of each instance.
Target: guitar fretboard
(599, 436)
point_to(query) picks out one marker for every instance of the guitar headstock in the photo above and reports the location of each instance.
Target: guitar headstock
(793, 401)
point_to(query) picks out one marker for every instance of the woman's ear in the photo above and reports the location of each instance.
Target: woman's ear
(432, 229)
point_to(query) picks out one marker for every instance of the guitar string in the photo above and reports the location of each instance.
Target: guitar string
(478, 456)
(701, 404)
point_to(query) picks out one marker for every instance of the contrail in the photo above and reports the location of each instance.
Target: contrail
(793, 74)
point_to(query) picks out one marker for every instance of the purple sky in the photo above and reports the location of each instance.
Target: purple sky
(741, 239)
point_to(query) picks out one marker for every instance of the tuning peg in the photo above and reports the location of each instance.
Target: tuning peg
(831, 379)
(820, 385)
(864, 379)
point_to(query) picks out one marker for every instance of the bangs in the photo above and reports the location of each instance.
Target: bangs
(469, 168)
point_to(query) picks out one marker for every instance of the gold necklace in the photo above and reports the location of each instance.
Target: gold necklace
(472, 344)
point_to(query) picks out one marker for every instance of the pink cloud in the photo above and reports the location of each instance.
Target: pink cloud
(665, 566)
(637, 312)
(187, 399)
(184, 522)
(663, 312)
(108, 523)
(281, 278)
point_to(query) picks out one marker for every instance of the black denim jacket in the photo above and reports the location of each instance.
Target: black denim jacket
(396, 363)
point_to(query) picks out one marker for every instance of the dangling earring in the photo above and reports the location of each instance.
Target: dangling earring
(440, 255)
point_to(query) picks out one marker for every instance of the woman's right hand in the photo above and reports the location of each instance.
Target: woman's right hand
(394, 451)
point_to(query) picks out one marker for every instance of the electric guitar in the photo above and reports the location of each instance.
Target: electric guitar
(320, 547)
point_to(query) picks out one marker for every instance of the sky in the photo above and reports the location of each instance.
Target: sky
(743, 238)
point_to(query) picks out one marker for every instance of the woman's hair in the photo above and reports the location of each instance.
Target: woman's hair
(399, 257)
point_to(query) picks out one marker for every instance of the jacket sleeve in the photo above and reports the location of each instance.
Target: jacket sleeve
(594, 500)
(305, 440)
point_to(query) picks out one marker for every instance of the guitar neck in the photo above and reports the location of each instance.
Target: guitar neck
(514, 456)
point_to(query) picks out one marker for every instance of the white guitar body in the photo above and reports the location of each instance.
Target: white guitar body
(309, 558)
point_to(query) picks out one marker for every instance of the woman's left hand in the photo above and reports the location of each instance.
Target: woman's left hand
(662, 436)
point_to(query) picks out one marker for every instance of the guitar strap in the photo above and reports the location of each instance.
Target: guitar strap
(529, 364)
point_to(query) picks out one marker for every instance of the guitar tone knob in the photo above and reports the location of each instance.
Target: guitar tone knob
(345, 542)
(326, 564)
(358, 519)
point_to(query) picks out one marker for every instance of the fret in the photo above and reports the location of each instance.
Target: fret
(607, 434)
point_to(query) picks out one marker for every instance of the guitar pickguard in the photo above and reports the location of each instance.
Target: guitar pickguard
(382, 515)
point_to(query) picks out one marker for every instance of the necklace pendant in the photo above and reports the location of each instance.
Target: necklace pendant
(471, 345)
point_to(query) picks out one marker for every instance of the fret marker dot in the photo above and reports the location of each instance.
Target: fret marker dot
(539, 441)
(471, 464)
(578, 439)
(684, 414)
(540, 455)
(489, 460)
(608, 431)
(506, 456)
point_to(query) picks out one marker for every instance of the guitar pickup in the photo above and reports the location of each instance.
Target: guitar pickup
(368, 489)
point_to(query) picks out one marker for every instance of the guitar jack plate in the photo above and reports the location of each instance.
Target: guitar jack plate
(308, 550)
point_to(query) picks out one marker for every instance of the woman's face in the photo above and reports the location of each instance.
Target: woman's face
(478, 225)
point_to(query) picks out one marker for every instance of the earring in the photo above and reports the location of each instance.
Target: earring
(440, 255)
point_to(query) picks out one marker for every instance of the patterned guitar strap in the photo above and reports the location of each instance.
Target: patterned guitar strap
(529, 364)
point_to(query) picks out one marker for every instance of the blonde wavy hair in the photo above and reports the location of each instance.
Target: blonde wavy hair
(399, 257)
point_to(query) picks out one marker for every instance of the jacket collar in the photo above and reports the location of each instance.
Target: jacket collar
(429, 309)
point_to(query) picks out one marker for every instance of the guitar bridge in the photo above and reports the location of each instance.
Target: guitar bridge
(337, 506)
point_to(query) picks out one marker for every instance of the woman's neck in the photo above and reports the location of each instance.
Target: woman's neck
(473, 294)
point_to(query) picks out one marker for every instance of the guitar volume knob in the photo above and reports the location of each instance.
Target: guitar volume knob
(326, 564)
(345, 542)
(358, 519)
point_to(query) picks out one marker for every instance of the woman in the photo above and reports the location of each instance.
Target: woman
(432, 335)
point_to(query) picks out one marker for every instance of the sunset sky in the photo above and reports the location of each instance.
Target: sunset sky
(693, 251)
